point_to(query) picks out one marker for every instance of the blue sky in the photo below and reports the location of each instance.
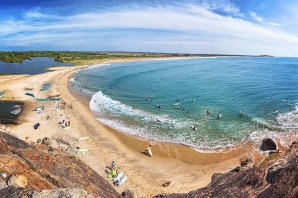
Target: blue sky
(187, 26)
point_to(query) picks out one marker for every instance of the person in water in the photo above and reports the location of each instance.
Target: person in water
(208, 112)
(219, 116)
(148, 151)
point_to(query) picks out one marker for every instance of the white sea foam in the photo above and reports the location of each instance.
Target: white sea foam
(97, 66)
(103, 107)
(289, 120)
(101, 103)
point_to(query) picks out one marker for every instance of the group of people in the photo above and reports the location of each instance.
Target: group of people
(61, 105)
(64, 123)
(116, 175)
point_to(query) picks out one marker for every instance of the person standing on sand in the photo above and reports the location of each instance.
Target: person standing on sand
(148, 151)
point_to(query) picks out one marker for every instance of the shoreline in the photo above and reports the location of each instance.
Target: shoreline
(186, 168)
(178, 151)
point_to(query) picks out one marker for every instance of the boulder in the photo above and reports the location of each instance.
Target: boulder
(17, 181)
(268, 144)
(2, 185)
(46, 141)
(128, 194)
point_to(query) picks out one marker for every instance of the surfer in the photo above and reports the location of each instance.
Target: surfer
(241, 113)
(148, 151)
(158, 106)
(219, 116)
(208, 112)
(194, 127)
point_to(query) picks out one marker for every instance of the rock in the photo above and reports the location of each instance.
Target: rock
(2, 185)
(275, 177)
(215, 175)
(46, 141)
(246, 160)
(62, 192)
(294, 193)
(37, 169)
(38, 141)
(268, 144)
(128, 194)
(12, 192)
(17, 181)
(11, 140)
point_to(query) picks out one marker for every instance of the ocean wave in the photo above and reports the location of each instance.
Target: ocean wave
(101, 103)
(149, 126)
(288, 120)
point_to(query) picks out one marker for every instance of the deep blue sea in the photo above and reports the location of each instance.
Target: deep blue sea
(35, 65)
(164, 99)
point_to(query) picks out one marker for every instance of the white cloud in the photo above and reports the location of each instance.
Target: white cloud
(255, 17)
(224, 6)
(35, 14)
(194, 29)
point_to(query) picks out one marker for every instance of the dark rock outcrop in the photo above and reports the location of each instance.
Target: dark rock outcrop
(275, 177)
(44, 169)
(268, 144)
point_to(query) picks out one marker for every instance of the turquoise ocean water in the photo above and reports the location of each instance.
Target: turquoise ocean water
(127, 96)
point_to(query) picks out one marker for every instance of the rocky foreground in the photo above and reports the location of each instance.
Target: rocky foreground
(275, 177)
(43, 171)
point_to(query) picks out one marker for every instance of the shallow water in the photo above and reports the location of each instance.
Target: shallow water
(36, 65)
(5, 108)
(126, 97)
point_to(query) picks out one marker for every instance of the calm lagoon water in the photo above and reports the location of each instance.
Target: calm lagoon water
(126, 97)
(36, 65)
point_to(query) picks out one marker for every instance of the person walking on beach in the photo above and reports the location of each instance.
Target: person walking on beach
(148, 151)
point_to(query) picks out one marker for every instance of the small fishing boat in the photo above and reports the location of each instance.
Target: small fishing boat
(29, 94)
(28, 88)
(54, 96)
(16, 109)
(54, 99)
(45, 86)
(42, 99)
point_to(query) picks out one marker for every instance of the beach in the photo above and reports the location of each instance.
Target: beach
(185, 168)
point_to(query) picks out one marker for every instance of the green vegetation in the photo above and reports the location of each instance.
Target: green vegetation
(78, 58)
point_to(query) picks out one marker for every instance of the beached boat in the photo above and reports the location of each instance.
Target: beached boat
(16, 109)
(45, 86)
(42, 99)
(28, 88)
(54, 99)
(30, 94)
(54, 96)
